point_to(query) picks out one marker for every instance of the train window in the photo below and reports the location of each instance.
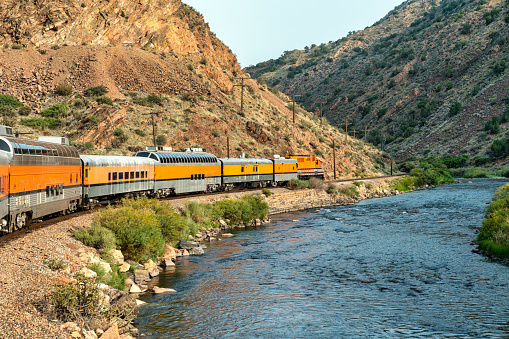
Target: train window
(121, 176)
(137, 175)
(146, 174)
(4, 146)
(143, 174)
(126, 175)
(114, 176)
(109, 176)
(203, 176)
(242, 169)
(70, 180)
(86, 172)
(47, 191)
(76, 177)
(132, 175)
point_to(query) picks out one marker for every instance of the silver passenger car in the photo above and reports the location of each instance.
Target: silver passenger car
(184, 172)
(109, 177)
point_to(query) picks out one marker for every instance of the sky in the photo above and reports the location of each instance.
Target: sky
(259, 30)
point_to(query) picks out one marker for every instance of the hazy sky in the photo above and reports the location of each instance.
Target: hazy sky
(259, 30)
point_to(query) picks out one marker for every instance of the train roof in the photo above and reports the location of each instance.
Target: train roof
(109, 161)
(249, 161)
(179, 157)
(16, 146)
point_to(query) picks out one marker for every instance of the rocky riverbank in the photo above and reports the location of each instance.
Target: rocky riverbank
(27, 279)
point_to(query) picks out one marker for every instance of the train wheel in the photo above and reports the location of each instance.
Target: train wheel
(20, 221)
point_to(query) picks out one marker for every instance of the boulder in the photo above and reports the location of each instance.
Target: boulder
(169, 254)
(159, 290)
(111, 333)
(134, 289)
(117, 257)
(185, 253)
(196, 251)
(223, 224)
(88, 273)
(187, 245)
(141, 276)
(227, 235)
(124, 267)
(140, 302)
(69, 327)
(150, 265)
(105, 266)
(166, 263)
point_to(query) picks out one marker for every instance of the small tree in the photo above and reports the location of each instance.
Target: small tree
(161, 140)
(455, 108)
(63, 89)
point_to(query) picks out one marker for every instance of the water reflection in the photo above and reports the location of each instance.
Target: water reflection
(369, 270)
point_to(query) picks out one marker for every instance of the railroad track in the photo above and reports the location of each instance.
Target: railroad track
(45, 222)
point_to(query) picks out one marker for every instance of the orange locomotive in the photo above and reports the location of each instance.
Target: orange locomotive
(308, 166)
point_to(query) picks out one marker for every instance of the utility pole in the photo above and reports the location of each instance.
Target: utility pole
(294, 103)
(241, 85)
(391, 161)
(346, 131)
(321, 115)
(228, 147)
(334, 156)
(153, 125)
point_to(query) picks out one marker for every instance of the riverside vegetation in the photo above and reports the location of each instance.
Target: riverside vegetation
(493, 237)
(140, 229)
(425, 173)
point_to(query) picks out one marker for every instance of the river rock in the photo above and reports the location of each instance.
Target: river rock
(169, 254)
(187, 245)
(111, 333)
(117, 257)
(134, 289)
(223, 224)
(141, 276)
(88, 273)
(159, 290)
(227, 235)
(166, 263)
(196, 251)
(124, 267)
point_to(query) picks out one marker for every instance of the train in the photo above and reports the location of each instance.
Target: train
(44, 177)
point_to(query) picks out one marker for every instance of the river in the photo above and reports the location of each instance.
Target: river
(362, 271)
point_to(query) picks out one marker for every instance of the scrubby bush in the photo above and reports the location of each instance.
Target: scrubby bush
(97, 236)
(161, 140)
(56, 111)
(432, 173)
(42, 123)
(404, 184)
(9, 100)
(298, 184)
(266, 192)
(63, 89)
(96, 91)
(494, 234)
(137, 231)
(104, 100)
(25, 110)
(349, 190)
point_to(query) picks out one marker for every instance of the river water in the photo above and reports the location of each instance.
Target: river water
(362, 271)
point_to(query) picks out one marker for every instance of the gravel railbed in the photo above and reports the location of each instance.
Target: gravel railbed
(25, 279)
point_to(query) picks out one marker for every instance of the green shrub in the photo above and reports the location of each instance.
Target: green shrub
(9, 100)
(55, 264)
(161, 140)
(63, 89)
(432, 173)
(455, 108)
(42, 123)
(155, 99)
(137, 231)
(104, 100)
(358, 183)
(494, 234)
(476, 173)
(404, 184)
(56, 111)
(25, 110)
(298, 184)
(96, 91)
(97, 236)
(349, 190)
(266, 192)
(140, 132)
(76, 299)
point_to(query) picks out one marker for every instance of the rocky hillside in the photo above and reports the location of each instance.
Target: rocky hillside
(428, 79)
(71, 73)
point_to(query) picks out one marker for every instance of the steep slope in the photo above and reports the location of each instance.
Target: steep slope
(60, 58)
(424, 80)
